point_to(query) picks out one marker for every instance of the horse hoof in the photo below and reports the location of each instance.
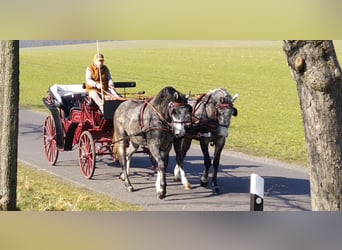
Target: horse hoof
(161, 196)
(216, 190)
(187, 186)
(130, 189)
(204, 184)
(176, 179)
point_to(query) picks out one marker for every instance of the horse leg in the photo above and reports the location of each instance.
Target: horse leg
(127, 181)
(216, 162)
(204, 142)
(162, 158)
(161, 182)
(161, 178)
(124, 160)
(128, 165)
(181, 146)
(154, 165)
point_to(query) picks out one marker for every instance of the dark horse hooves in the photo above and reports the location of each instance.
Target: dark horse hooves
(216, 190)
(204, 184)
(130, 189)
(161, 196)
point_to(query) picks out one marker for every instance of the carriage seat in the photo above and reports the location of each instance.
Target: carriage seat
(68, 96)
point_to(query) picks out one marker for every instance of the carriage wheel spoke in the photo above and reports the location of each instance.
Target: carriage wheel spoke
(50, 140)
(87, 154)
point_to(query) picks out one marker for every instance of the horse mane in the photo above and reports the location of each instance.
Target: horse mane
(165, 96)
(216, 94)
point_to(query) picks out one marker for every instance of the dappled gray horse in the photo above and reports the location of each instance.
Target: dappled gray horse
(211, 117)
(152, 124)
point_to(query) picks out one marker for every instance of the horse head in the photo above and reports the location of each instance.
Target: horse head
(180, 113)
(224, 106)
(174, 107)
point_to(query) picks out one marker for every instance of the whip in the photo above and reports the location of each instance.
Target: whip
(98, 52)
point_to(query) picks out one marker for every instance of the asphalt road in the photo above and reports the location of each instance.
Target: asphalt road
(287, 187)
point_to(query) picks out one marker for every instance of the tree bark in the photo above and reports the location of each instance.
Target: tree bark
(316, 70)
(9, 105)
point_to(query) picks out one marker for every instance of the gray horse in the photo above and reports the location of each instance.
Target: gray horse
(152, 124)
(211, 117)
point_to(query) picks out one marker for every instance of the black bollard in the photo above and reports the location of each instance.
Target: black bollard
(257, 193)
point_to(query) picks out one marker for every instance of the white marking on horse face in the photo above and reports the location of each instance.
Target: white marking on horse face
(178, 127)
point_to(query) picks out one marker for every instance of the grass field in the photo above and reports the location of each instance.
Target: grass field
(269, 122)
(39, 191)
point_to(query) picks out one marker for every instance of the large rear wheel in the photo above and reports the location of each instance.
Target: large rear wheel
(50, 140)
(87, 154)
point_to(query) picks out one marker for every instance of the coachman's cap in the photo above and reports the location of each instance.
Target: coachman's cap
(99, 57)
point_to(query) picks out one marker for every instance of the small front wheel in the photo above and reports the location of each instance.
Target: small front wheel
(87, 154)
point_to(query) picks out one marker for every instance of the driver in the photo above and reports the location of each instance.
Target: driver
(99, 80)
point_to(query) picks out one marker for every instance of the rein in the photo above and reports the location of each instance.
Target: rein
(205, 102)
(197, 106)
(146, 103)
(161, 117)
(112, 97)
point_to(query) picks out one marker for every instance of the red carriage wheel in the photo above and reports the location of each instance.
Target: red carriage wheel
(50, 140)
(87, 154)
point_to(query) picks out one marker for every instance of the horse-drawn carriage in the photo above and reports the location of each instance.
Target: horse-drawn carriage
(125, 126)
(76, 121)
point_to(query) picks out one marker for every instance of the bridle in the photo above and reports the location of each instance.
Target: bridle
(222, 106)
(172, 106)
(179, 105)
(218, 107)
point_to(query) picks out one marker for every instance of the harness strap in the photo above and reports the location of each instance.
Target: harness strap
(197, 105)
(160, 116)
(142, 125)
(141, 117)
(199, 99)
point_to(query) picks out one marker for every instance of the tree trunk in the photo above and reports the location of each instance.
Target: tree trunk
(9, 103)
(315, 68)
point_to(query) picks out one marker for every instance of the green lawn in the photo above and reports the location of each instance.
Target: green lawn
(39, 191)
(269, 122)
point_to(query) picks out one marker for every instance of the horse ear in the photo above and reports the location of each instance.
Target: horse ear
(235, 112)
(175, 96)
(235, 97)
